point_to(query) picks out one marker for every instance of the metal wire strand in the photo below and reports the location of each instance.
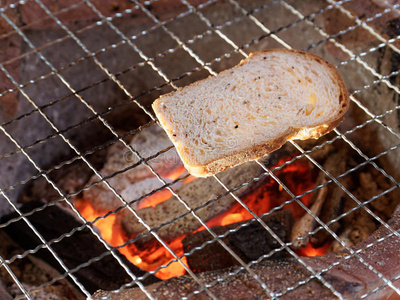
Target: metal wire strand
(284, 44)
(12, 5)
(161, 74)
(16, 280)
(162, 54)
(206, 66)
(108, 126)
(74, 149)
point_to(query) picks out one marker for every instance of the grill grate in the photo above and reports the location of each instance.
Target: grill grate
(201, 10)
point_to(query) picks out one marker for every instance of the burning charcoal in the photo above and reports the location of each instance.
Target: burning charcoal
(54, 221)
(195, 193)
(333, 205)
(254, 240)
(249, 242)
(211, 257)
(148, 141)
(304, 225)
(350, 278)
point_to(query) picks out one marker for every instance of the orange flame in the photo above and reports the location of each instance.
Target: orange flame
(164, 194)
(155, 199)
(309, 250)
(148, 259)
(296, 176)
(88, 212)
(232, 218)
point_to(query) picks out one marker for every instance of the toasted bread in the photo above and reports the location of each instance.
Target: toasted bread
(252, 109)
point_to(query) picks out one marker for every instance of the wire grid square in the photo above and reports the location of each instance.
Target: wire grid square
(108, 57)
(215, 57)
(7, 28)
(66, 48)
(226, 36)
(98, 38)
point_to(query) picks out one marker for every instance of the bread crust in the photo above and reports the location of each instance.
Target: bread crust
(260, 150)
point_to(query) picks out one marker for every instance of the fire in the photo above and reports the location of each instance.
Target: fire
(137, 260)
(310, 250)
(105, 225)
(230, 219)
(298, 179)
(164, 194)
(148, 259)
(296, 176)
(155, 199)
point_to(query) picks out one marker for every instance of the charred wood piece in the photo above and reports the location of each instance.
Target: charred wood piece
(349, 277)
(195, 193)
(54, 221)
(249, 242)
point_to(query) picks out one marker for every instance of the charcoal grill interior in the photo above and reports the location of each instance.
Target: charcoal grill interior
(77, 79)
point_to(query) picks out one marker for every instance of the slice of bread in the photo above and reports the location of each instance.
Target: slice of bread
(248, 111)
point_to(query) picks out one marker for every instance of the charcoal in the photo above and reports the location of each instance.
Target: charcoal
(249, 242)
(254, 240)
(3, 292)
(206, 193)
(52, 222)
(350, 277)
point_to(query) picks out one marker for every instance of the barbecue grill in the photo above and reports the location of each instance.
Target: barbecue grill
(77, 82)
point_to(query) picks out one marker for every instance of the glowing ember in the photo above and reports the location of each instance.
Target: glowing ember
(230, 219)
(148, 259)
(176, 173)
(155, 199)
(296, 176)
(309, 250)
(105, 225)
(164, 194)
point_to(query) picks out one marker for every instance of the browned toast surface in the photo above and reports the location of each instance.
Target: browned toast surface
(252, 109)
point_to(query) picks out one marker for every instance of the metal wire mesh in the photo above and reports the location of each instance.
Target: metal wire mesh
(216, 29)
